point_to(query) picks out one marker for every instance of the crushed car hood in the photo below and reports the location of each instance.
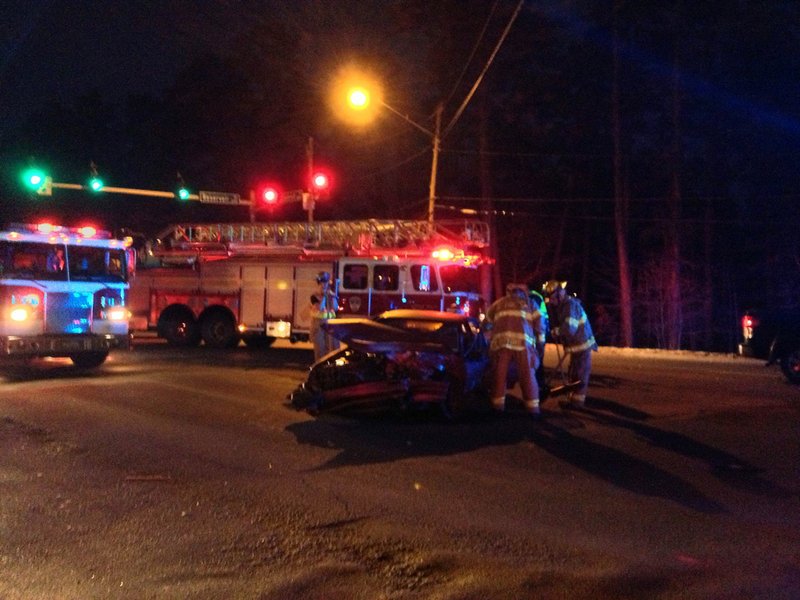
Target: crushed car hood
(370, 336)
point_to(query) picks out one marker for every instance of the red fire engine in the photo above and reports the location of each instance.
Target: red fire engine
(219, 283)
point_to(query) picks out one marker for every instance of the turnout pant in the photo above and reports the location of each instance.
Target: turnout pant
(580, 366)
(501, 359)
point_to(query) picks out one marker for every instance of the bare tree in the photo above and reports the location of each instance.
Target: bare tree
(621, 198)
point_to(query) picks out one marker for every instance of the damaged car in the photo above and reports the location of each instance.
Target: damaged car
(401, 359)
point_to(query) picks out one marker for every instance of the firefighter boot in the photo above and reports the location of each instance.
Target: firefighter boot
(533, 408)
(499, 404)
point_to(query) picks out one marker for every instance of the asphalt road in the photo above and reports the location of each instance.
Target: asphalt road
(186, 475)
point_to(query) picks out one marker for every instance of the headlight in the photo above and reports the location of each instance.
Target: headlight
(19, 314)
(118, 313)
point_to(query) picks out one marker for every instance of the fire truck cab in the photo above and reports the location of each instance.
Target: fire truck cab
(63, 293)
(222, 283)
(369, 286)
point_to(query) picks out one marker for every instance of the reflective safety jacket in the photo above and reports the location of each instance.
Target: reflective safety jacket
(513, 324)
(539, 308)
(328, 305)
(570, 326)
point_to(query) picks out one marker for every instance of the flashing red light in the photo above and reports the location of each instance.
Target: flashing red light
(88, 231)
(46, 228)
(443, 254)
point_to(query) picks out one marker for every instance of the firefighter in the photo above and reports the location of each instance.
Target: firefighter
(512, 324)
(55, 260)
(570, 327)
(325, 309)
(539, 308)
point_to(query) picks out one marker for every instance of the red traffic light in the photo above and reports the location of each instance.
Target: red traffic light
(320, 181)
(270, 196)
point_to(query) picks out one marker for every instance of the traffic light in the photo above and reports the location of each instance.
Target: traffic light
(183, 192)
(95, 183)
(270, 196)
(320, 182)
(37, 180)
(33, 178)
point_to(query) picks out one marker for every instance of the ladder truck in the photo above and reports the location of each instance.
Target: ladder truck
(220, 283)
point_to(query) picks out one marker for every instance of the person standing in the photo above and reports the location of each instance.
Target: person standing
(323, 310)
(512, 325)
(541, 328)
(570, 327)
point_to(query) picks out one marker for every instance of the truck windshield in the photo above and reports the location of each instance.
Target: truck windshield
(456, 278)
(57, 262)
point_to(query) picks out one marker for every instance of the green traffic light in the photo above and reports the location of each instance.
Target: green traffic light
(96, 184)
(33, 178)
(183, 193)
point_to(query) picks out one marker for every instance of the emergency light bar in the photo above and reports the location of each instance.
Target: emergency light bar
(87, 231)
(54, 234)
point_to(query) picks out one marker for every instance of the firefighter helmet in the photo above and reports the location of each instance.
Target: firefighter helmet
(517, 289)
(551, 286)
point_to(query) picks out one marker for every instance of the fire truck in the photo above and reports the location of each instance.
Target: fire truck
(63, 293)
(222, 283)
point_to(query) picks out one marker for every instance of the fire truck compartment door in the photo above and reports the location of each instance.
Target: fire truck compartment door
(280, 292)
(253, 295)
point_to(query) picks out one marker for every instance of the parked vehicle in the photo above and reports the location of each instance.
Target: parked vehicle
(401, 359)
(774, 337)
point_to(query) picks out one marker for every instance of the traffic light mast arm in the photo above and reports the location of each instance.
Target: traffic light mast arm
(120, 190)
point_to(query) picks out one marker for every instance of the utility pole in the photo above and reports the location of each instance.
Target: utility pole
(434, 163)
(310, 188)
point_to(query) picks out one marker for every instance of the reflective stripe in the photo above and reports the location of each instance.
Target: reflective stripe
(508, 312)
(581, 347)
(511, 340)
(575, 322)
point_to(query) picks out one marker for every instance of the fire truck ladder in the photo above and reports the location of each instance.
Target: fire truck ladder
(363, 236)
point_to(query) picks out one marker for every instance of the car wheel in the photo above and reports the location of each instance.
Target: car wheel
(790, 365)
(453, 405)
(89, 360)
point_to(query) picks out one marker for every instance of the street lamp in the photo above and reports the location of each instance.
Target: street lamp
(360, 99)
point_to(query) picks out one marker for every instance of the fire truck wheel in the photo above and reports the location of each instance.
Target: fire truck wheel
(219, 330)
(179, 328)
(89, 360)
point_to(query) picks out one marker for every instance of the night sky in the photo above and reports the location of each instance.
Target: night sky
(229, 92)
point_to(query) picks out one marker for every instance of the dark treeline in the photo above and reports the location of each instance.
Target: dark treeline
(644, 151)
